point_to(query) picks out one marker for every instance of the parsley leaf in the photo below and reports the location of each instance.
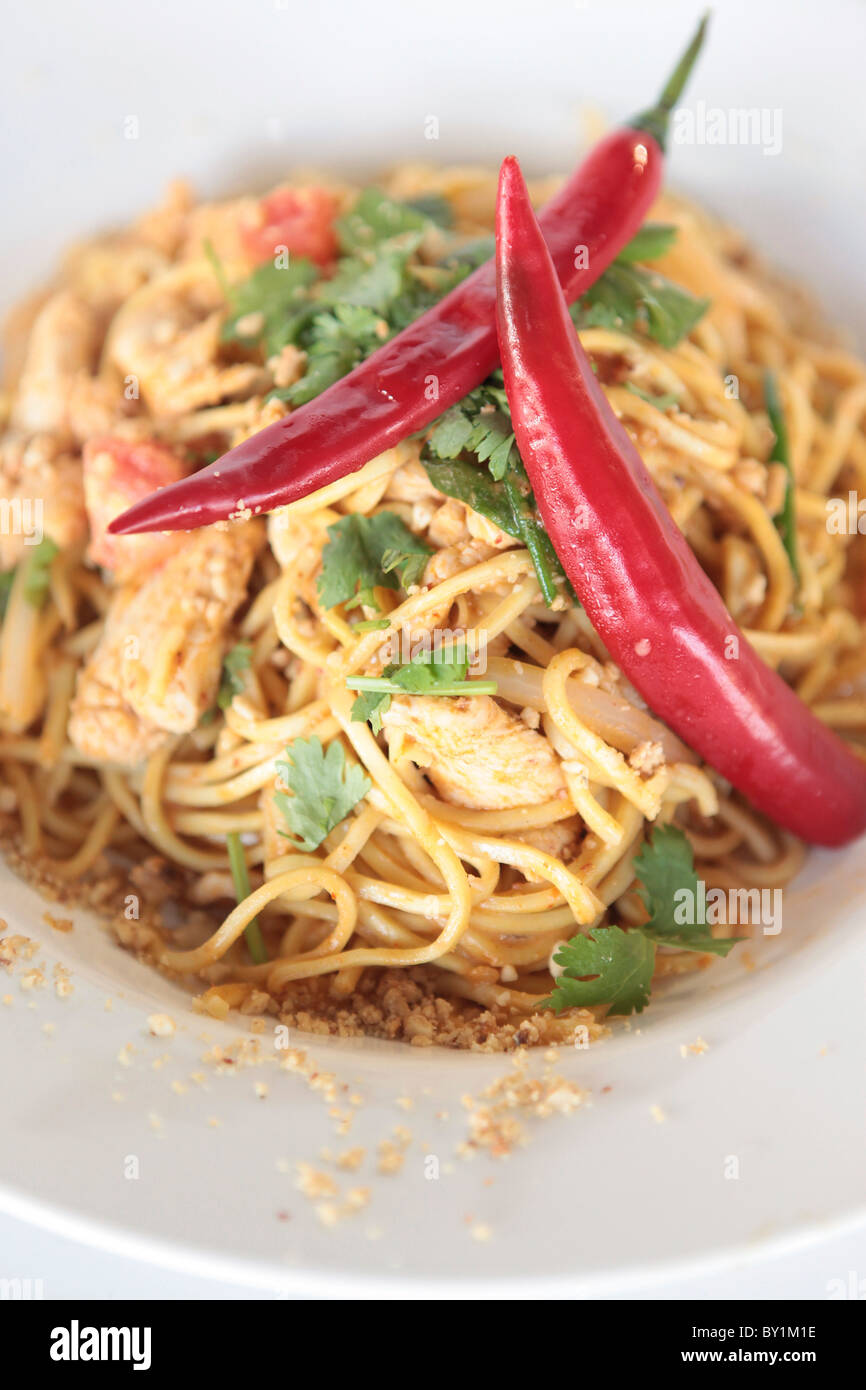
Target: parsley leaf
(324, 790)
(37, 578)
(607, 966)
(666, 869)
(366, 552)
(785, 518)
(235, 661)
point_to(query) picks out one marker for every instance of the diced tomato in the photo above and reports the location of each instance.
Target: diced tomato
(301, 219)
(118, 472)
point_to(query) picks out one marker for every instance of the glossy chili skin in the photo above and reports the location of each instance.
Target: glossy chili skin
(648, 599)
(422, 371)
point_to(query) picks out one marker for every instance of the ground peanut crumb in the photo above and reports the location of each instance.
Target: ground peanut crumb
(161, 1026)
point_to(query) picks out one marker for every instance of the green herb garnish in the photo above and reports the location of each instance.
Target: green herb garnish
(627, 297)
(324, 790)
(613, 966)
(366, 552)
(437, 673)
(235, 661)
(241, 878)
(785, 518)
(37, 571)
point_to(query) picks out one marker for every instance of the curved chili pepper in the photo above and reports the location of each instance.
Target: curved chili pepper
(647, 597)
(434, 362)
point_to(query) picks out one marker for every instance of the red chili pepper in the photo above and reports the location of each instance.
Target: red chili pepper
(438, 359)
(647, 597)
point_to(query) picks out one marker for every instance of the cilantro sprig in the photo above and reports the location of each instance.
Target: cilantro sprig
(441, 672)
(324, 790)
(611, 966)
(363, 553)
(479, 426)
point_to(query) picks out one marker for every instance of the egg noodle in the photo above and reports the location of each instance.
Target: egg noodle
(433, 871)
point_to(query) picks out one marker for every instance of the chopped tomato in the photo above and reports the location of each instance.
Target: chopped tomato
(300, 219)
(118, 472)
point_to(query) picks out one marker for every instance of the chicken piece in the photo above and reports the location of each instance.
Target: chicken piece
(42, 495)
(63, 346)
(455, 524)
(474, 752)
(157, 666)
(108, 270)
(166, 338)
(117, 472)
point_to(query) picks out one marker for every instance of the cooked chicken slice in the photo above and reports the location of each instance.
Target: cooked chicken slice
(42, 495)
(473, 751)
(62, 347)
(156, 669)
(166, 336)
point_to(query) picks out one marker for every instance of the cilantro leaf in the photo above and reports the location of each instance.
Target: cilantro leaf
(236, 660)
(608, 966)
(369, 706)
(434, 206)
(440, 672)
(271, 306)
(370, 282)
(474, 486)
(652, 240)
(365, 552)
(626, 296)
(666, 869)
(785, 518)
(324, 790)
(335, 343)
(37, 578)
(481, 425)
(375, 218)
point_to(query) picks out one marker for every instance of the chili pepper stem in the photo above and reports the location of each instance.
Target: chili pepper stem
(655, 121)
